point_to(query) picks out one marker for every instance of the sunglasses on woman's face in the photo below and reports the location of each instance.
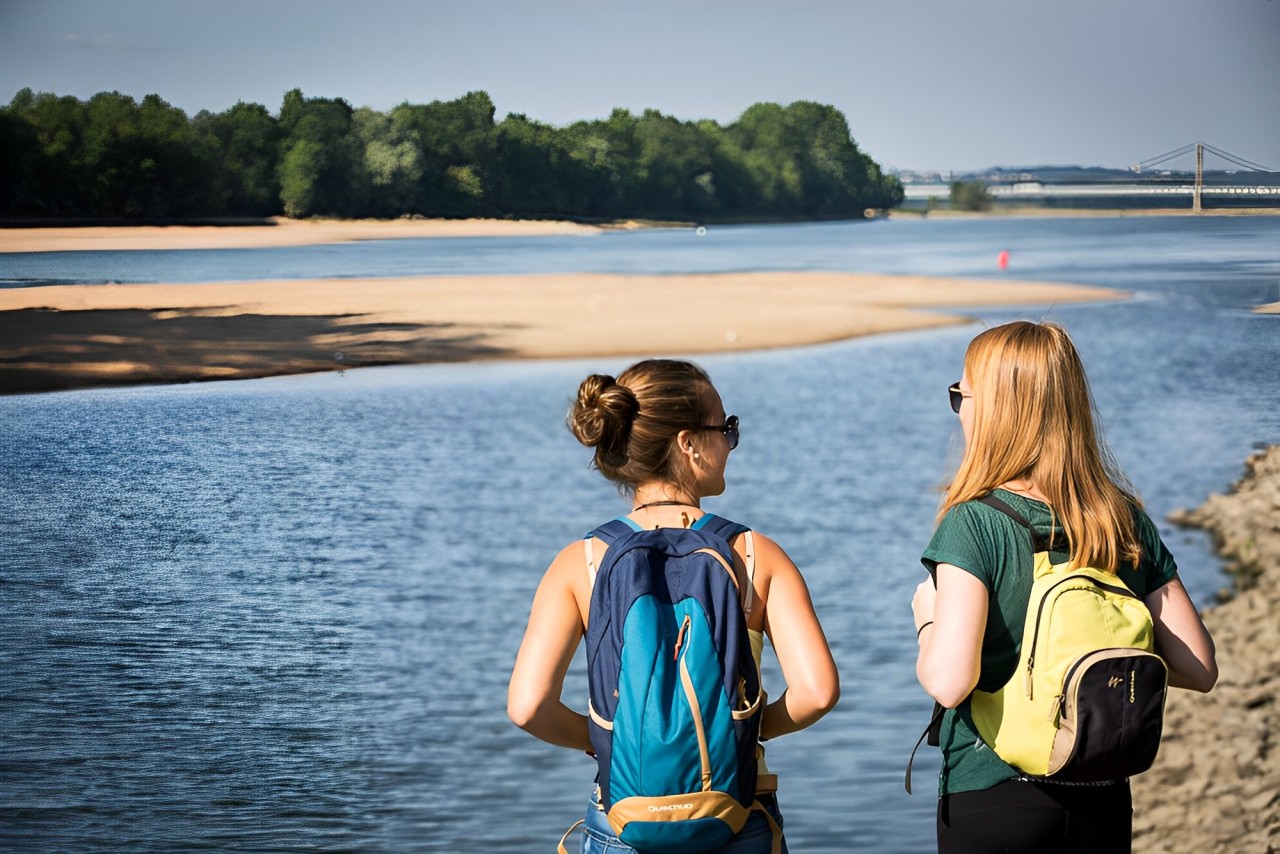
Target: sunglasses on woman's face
(729, 429)
(956, 397)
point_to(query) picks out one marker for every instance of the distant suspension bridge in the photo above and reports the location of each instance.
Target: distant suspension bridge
(1199, 188)
(1162, 182)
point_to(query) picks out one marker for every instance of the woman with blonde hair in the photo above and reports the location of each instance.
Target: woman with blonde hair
(1031, 441)
(659, 431)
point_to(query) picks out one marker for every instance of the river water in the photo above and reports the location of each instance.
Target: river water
(280, 614)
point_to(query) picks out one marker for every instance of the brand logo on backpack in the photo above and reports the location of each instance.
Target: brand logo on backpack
(675, 694)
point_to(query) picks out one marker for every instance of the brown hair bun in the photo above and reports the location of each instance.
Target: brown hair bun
(602, 416)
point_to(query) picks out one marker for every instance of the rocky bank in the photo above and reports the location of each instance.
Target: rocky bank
(1216, 783)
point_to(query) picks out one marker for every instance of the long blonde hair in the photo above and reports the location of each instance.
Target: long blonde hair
(1033, 420)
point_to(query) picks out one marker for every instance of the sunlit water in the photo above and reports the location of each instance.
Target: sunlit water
(280, 614)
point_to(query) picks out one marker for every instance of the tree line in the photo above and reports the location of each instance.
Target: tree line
(113, 156)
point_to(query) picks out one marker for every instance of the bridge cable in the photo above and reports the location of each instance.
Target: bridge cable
(1187, 149)
(1168, 155)
(1239, 161)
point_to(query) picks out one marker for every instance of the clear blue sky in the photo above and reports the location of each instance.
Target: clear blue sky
(925, 84)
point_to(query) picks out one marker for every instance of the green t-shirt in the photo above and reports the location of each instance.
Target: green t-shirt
(997, 551)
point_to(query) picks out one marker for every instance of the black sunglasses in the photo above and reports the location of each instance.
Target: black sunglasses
(730, 430)
(956, 397)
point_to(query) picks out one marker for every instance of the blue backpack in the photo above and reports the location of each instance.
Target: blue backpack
(676, 701)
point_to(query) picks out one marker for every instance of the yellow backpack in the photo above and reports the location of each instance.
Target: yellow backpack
(1086, 702)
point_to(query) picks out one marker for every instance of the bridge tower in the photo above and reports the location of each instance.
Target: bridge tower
(1195, 203)
(1197, 190)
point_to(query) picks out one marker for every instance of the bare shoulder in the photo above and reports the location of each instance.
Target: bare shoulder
(770, 558)
(572, 559)
(767, 549)
(568, 571)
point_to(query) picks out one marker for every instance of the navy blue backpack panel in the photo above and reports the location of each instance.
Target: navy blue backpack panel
(675, 693)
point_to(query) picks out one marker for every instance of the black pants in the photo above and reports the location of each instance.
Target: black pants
(1046, 818)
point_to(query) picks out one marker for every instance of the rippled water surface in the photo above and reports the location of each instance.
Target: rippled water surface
(280, 614)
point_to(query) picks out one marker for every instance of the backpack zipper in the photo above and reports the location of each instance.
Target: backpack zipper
(1035, 637)
(1061, 708)
(684, 628)
(691, 696)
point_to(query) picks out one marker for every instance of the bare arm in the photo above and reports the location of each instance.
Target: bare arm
(954, 617)
(813, 683)
(1181, 638)
(554, 631)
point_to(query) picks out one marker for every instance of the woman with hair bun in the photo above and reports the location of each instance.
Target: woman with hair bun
(660, 433)
(1031, 442)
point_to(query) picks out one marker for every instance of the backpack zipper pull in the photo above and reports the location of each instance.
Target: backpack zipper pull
(1031, 663)
(1057, 709)
(684, 627)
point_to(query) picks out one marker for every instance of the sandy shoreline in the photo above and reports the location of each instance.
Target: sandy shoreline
(276, 231)
(69, 336)
(282, 231)
(1216, 782)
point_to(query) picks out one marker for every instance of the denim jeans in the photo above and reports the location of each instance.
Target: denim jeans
(756, 837)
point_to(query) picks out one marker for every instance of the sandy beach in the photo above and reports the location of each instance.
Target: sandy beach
(1216, 783)
(275, 231)
(69, 336)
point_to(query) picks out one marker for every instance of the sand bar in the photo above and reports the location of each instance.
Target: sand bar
(276, 231)
(74, 335)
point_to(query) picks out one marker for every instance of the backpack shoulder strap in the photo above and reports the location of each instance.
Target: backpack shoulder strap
(727, 530)
(613, 529)
(991, 501)
(720, 526)
(1038, 542)
(608, 532)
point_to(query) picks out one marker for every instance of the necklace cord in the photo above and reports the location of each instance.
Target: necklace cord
(640, 507)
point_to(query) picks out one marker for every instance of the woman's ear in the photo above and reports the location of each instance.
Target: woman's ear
(684, 442)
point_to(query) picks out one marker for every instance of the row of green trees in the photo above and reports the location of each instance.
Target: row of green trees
(112, 156)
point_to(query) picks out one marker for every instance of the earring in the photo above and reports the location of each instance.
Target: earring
(697, 456)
